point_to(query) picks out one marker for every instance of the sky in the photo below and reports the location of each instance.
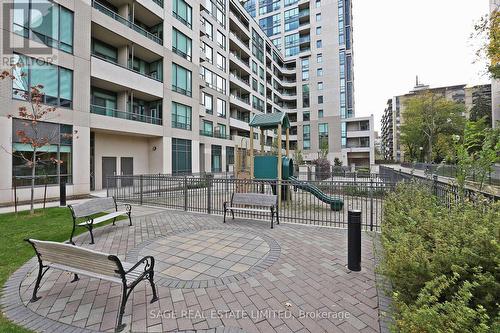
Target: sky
(395, 40)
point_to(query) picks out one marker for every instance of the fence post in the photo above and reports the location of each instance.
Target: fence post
(354, 240)
(434, 184)
(371, 204)
(185, 193)
(209, 194)
(141, 190)
(62, 193)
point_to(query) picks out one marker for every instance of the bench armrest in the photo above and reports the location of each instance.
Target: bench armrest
(148, 260)
(128, 207)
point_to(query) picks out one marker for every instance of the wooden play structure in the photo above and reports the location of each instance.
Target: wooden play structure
(269, 166)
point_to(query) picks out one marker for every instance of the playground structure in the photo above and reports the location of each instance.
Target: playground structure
(275, 167)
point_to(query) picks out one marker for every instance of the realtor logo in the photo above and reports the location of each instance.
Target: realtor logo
(29, 24)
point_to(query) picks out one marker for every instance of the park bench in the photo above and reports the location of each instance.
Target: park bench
(87, 209)
(253, 203)
(78, 260)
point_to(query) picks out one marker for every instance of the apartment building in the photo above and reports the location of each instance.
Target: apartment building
(391, 136)
(315, 38)
(387, 142)
(148, 86)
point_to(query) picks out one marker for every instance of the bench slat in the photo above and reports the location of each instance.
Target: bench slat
(106, 217)
(93, 206)
(256, 199)
(249, 209)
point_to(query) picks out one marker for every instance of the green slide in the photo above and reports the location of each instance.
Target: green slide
(336, 204)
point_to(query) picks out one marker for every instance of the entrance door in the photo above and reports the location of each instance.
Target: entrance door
(127, 169)
(108, 169)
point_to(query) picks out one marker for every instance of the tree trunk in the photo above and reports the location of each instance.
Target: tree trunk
(33, 173)
(429, 157)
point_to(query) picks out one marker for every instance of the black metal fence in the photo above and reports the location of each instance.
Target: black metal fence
(207, 194)
(448, 192)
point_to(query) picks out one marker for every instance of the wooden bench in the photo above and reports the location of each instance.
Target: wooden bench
(255, 203)
(78, 260)
(86, 209)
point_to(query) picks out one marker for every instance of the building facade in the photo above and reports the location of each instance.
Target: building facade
(394, 113)
(495, 84)
(153, 86)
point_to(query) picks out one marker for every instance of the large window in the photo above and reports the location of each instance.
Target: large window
(271, 24)
(221, 108)
(216, 158)
(183, 12)
(181, 116)
(208, 101)
(181, 80)
(58, 148)
(221, 40)
(44, 21)
(307, 136)
(181, 44)
(181, 156)
(267, 6)
(57, 81)
(323, 135)
(292, 45)
(292, 19)
(104, 51)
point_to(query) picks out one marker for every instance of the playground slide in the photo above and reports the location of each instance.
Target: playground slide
(336, 204)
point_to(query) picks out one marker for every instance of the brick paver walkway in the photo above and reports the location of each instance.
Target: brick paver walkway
(240, 276)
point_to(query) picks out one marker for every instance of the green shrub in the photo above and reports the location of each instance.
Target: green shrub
(435, 256)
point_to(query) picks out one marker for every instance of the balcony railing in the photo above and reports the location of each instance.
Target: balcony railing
(244, 100)
(247, 43)
(151, 76)
(180, 18)
(105, 10)
(246, 62)
(104, 111)
(181, 90)
(215, 135)
(181, 53)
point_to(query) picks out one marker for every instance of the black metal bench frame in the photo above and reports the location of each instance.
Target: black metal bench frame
(273, 209)
(89, 223)
(127, 289)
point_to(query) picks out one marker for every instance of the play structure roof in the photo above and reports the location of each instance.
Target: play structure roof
(270, 120)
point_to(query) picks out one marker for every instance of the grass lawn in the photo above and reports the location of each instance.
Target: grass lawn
(53, 224)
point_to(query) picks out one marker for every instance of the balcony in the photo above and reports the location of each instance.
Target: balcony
(215, 134)
(237, 59)
(242, 102)
(104, 111)
(234, 37)
(239, 123)
(108, 12)
(123, 76)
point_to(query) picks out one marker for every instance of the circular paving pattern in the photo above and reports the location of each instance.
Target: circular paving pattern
(209, 257)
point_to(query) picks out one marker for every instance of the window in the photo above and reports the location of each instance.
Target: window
(221, 108)
(292, 19)
(271, 25)
(220, 131)
(209, 29)
(181, 44)
(320, 114)
(183, 12)
(181, 116)
(318, 3)
(254, 85)
(181, 80)
(277, 43)
(221, 62)
(319, 58)
(59, 147)
(216, 158)
(323, 135)
(261, 72)
(267, 6)
(319, 44)
(320, 85)
(306, 116)
(221, 40)
(318, 30)
(305, 69)
(257, 103)
(229, 157)
(181, 156)
(291, 45)
(307, 136)
(208, 128)
(104, 51)
(261, 89)
(320, 99)
(254, 67)
(52, 26)
(57, 81)
(208, 101)
(209, 53)
(318, 17)
(305, 95)
(319, 72)
(153, 69)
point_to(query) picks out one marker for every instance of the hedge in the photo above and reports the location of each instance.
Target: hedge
(442, 262)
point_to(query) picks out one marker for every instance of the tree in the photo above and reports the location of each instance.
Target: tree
(32, 135)
(487, 31)
(481, 108)
(323, 147)
(425, 117)
(298, 157)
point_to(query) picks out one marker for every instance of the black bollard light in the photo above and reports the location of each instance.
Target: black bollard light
(354, 240)
(62, 193)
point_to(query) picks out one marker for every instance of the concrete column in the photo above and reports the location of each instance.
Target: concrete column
(123, 55)
(81, 160)
(122, 99)
(195, 156)
(6, 194)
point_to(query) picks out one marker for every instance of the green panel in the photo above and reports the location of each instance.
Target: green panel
(265, 167)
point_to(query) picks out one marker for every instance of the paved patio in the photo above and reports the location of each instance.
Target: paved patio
(240, 276)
